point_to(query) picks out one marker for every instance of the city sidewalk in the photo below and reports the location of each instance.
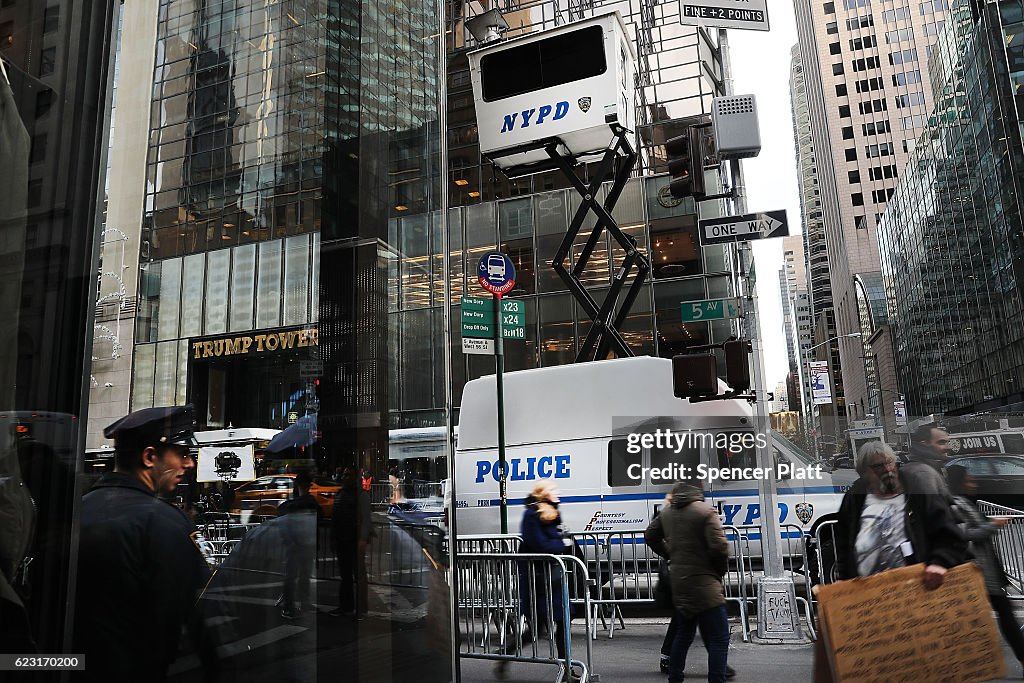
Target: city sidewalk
(632, 657)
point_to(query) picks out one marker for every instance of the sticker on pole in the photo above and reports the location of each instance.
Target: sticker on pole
(496, 273)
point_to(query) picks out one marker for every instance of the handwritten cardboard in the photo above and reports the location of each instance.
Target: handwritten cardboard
(888, 628)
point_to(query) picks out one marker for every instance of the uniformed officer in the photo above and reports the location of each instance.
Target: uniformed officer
(140, 565)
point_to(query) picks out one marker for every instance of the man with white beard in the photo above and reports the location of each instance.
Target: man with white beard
(894, 518)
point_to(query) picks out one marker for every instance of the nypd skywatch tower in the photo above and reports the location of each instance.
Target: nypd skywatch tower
(550, 100)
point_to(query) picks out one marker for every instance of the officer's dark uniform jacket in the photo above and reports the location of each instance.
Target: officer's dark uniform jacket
(139, 574)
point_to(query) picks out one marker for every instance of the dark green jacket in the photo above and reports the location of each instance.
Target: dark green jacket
(689, 533)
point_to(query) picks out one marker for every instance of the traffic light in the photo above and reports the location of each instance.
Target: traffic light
(694, 375)
(737, 364)
(686, 164)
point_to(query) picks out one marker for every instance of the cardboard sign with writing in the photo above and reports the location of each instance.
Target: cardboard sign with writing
(888, 627)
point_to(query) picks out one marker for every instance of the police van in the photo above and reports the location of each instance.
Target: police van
(582, 425)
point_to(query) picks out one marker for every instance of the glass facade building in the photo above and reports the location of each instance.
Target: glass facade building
(311, 202)
(951, 234)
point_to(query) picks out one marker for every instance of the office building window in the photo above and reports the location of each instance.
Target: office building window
(840, 90)
(851, 154)
(854, 177)
(857, 198)
(847, 132)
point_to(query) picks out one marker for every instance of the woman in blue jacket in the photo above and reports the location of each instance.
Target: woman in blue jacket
(540, 592)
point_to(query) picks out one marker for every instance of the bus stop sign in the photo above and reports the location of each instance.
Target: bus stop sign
(497, 274)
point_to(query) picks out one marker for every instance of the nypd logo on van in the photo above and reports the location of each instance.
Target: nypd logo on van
(535, 116)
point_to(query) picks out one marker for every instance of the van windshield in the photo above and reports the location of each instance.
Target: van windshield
(797, 453)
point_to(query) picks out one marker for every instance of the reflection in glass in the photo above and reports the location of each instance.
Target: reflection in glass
(217, 271)
(170, 302)
(268, 292)
(192, 296)
(243, 287)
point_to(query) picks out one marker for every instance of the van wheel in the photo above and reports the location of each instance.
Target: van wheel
(823, 571)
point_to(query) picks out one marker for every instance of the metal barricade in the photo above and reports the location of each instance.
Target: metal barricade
(624, 571)
(508, 602)
(825, 553)
(396, 555)
(489, 543)
(1009, 545)
(793, 548)
(737, 579)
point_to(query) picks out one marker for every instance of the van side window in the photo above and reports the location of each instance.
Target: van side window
(1013, 443)
(737, 455)
(618, 464)
(689, 457)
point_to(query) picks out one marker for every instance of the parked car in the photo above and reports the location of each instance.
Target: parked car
(1000, 477)
(263, 495)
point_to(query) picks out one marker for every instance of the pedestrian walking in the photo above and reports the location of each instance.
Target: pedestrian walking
(894, 518)
(979, 531)
(302, 513)
(540, 593)
(929, 451)
(689, 534)
(665, 600)
(140, 559)
(351, 529)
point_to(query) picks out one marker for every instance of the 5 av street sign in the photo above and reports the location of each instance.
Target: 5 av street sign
(749, 226)
(711, 309)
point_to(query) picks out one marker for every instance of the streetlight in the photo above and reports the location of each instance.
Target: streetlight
(809, 378)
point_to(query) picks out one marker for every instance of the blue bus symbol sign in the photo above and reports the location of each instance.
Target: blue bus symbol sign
(496, 273)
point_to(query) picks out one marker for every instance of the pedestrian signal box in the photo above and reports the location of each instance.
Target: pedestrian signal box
(737, 364)
(565, 91)
(694, 375)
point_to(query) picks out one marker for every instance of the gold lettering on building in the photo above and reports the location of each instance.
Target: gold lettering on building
(240, 346)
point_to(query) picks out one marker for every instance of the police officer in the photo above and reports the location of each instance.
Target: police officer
(141, 566)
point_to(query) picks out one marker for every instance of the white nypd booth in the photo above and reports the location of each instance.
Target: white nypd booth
(570, 88)
(572, 424)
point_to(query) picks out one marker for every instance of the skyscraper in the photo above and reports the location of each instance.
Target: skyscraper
(864, 69)
(816, 266)
(952, 255)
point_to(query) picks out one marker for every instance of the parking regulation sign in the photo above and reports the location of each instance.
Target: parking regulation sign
(496, 273)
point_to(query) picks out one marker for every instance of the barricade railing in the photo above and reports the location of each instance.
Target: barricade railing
(793, 548)
(1009, 545)
(736, 581)
(396, 555)
(489, 543)
(624, 571)
(825, 553)
(509, 602)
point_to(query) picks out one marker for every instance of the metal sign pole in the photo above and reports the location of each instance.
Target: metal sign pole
(499, 361)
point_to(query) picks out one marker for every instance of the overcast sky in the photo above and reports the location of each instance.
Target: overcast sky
(760, 64)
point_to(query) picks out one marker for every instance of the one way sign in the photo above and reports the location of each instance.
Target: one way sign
(749, 226)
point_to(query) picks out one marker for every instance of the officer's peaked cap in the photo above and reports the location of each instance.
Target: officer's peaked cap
(168, 425)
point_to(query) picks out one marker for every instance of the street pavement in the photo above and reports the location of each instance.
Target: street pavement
(631, 656)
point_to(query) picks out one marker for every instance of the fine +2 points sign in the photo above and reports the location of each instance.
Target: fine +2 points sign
(742, 14)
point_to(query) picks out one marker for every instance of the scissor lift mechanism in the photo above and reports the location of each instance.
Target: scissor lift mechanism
(604, 333)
